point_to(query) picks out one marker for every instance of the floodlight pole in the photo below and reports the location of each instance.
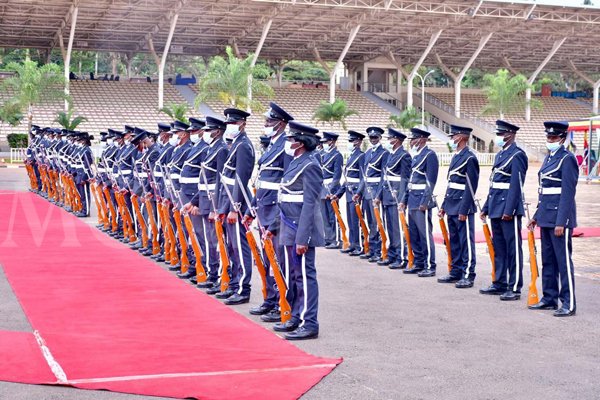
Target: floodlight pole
(67, 54)
(163, 61)
(423, 78)
(265, 32)
(411, 77)
(532, 78)
(340, 59)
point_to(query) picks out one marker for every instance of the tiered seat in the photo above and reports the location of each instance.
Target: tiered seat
(531, 132)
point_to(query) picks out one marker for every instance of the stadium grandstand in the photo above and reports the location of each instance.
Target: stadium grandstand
(378, 47)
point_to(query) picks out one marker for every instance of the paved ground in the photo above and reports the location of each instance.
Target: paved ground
(404, 337)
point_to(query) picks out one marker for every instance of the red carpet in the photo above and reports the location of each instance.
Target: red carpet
(114, 320)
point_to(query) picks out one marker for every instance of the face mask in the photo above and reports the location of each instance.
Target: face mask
(232, 131)
(207, 137)
(389, 147)
(173, 140)
(499, 140)
(350, 147)
(553, 146)
(373, 146)
(110, 142)
(288, 148)
(453, 145)
(195, 138)
(414, 150)
(326, 147)
(64, 139)
(270, 131)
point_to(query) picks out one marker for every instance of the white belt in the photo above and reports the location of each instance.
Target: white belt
(500, 185)
(291, 198)
(158, 174)
(101, 169)
(189, 179)
(228, 181)
(417, 186)
(175, 176)
(393, 178)
(267, 185)
(457, 186)
(78, 166)
(373, 179)
(328, 181)
(206, 188)
(353, 180)
(126, 171)
(142, 174)
(550, 190)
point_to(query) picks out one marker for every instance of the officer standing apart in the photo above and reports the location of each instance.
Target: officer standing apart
(350, 187)
(556, 217)
(396, 174)
(420, 200)
(504, 206)
(240, 161)
(300, 227)
(370, 184)
(459, 206)
(332, 163)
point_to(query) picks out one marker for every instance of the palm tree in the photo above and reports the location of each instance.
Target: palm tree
(227, 80)
(33, 84)
(505, 94)
(333, 113)
(11, 113)
(66, 120)
(407, 119)
(177, 111)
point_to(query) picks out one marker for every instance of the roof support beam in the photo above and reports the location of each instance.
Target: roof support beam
(161, 61)
(338, 64)
(476, 8)
(261, 42)
(67, 54)
(409, 89)
(588, 79)
(533, 76)
(320, 60)
(509, 66)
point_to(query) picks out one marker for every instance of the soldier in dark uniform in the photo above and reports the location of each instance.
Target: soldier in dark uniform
(332, 163)
(352, 173)
(459, 206)
(419, 199)
(300, 228)
(396, 174)
(504, 206)
(240, 162)
(83, 172)
(370, 184)
(271, 166)
(556, 217)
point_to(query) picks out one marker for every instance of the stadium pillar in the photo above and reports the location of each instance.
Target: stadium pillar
(67, 54)
(532, 78)
(595, 85)
(411, 76)
(163, 61)
(265, 32)
(353, 34)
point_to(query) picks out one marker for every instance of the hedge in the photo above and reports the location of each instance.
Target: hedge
(17, 140)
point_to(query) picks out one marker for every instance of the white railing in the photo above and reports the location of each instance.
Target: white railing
(18, 155)
(483, 158)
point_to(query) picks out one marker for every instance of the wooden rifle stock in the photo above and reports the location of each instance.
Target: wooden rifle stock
(200, 271)
(225, 279)
(284, 306)
(363, 227)
(381, 232)
(167, 239)
(444, 230)
(490, 246)
(100, 215)
(257, 259)
(532, 296)
(411, 255)
(102, 209)
(340, 220)
(141, 221)
(111, 207)
(185, 262)
(153, 226)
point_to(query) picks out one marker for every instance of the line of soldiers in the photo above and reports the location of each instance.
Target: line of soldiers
(188, 196)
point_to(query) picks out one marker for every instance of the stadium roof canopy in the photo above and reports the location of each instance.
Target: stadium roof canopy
(524, 32)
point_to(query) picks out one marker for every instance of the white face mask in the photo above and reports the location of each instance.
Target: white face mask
(195, 138)
(173, 140)
(207, 137)
(110, 142)
(232, 131)
(553, 146)
(270, 131)
(453, 145)
(350, 147)
(414, 150)
(326, 146)
(499, 140)
(389, 147)
(64, 139)
(374, 146)
(288, 148)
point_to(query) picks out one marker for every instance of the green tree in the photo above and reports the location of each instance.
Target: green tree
(407, 119)
(177, 111)
(66, 120)
(226, 80)
(333, 113)
(505, 94)
(33, 84)
(11, 113)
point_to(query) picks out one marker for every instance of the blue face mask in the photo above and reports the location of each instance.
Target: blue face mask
(453, 145)
(553, 146)
(499, 140)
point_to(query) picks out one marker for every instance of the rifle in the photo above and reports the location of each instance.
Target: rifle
(285, 309)
(380, 227)
(185, 262)
(225, 278)
(443, 227)
(532, 296)
(100, 205)
(363, 225)
(404, 225)
(336, 209)
(111, 206)
(486, 232)
(148, 202)
(138, 210)
(170, 244)
(127, 218)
